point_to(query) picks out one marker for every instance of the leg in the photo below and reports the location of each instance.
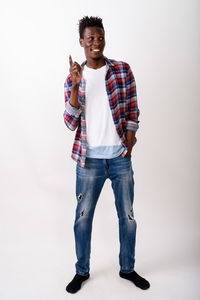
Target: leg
(121, 175)
(89, 183)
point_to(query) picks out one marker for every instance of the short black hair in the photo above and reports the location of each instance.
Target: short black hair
(88, 22)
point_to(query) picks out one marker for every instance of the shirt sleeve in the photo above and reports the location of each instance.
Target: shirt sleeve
(71, 114)
(132, 110)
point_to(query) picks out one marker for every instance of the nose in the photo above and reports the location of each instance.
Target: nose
(96, 42)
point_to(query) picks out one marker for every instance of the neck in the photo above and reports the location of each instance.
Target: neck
(95, 63)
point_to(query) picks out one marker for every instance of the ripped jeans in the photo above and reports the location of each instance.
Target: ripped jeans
(89, 183)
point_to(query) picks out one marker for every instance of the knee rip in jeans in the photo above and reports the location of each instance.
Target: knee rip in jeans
(131, 216)
(82, 213)
(80, 197)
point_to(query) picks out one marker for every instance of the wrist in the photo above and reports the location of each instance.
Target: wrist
(75, 105)
(75, 86)
(128, 154)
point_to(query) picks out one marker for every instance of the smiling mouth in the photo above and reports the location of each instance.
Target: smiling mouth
(95, 50)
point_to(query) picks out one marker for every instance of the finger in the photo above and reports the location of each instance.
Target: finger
(77, 67)
(77, 64)
(70, 60)
(74, 68)
(76, 72)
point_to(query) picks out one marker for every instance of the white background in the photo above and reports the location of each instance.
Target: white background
(160, 40)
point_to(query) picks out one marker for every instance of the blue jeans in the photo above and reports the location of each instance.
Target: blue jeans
(89, 183)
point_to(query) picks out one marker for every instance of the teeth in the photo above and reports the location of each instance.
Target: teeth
(96, 50)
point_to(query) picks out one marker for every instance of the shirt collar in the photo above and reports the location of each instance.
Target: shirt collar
(107, 61)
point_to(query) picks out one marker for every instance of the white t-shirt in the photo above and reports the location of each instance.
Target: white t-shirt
(102, 137)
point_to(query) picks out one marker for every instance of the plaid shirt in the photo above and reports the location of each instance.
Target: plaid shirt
(122, 97)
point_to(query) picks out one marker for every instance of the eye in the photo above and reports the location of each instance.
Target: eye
(101, 38)
(90, 38)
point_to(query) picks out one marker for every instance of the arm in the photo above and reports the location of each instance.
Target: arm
(72, 110)
(131, 140)
(132, 111)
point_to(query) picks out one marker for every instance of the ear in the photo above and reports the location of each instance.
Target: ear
(81, 42)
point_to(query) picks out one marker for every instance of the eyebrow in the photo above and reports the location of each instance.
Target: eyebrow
(93, 35)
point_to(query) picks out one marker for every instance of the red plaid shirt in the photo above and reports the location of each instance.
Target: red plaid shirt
(122, 97)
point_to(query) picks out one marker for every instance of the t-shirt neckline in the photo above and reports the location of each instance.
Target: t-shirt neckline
(101, 68)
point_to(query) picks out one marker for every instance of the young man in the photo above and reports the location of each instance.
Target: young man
(101, 103)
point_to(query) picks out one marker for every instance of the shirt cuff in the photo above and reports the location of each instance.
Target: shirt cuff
(72, 110)
(130, 125)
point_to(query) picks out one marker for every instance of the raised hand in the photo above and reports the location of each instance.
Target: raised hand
(75, 71)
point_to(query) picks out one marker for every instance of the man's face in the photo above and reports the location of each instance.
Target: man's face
(93, 42)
